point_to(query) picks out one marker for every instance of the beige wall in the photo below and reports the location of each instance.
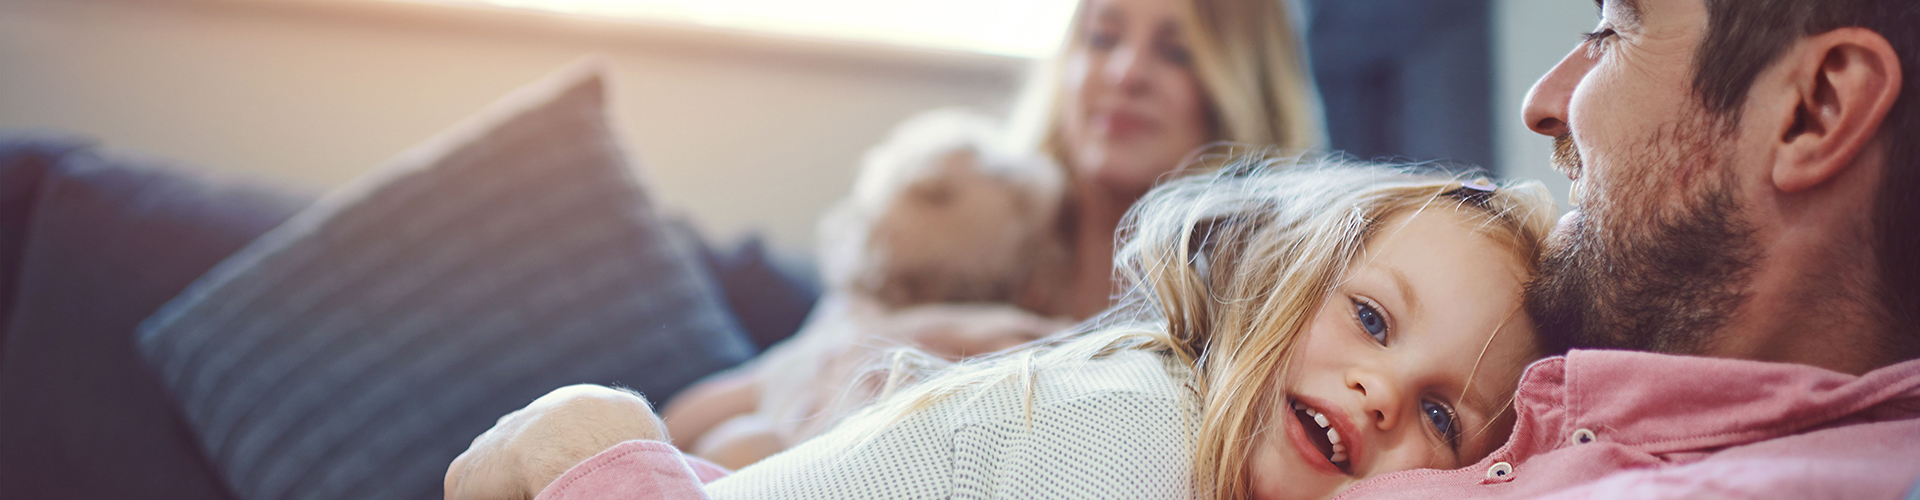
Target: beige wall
(1530, 36)
(739, 131)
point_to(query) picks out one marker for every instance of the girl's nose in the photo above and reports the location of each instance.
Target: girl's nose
(1380, 403)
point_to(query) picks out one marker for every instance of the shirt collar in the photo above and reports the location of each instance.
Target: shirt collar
(1660, 403)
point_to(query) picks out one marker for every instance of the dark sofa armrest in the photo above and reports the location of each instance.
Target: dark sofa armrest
(91, 243)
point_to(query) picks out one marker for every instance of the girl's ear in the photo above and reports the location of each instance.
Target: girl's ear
(1840, 86)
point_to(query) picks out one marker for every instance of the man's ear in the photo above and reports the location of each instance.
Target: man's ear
(1844, 83)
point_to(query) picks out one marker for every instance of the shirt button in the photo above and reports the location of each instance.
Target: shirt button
(1582, 436)
(1500, 471)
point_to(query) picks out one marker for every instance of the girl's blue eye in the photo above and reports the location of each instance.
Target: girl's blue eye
(1371, 321)
(1443, 421)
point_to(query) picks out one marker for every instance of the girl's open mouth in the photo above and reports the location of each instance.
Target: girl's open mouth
(1321, 431)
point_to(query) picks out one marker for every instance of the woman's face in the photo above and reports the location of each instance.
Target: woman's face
(1388, 363)
(1135, 108)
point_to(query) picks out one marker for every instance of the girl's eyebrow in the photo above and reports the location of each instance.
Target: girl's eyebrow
(1406, 291)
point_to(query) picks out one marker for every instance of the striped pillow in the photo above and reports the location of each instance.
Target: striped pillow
(353, 351)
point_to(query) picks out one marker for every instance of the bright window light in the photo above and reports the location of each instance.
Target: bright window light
(1018, 28)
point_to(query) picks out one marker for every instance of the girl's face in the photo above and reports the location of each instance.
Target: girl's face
(1134, 106)
(1409, 362)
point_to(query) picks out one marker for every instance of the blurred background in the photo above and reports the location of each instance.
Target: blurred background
(745, 115)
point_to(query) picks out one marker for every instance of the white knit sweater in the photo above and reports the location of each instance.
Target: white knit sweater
(1122, 426)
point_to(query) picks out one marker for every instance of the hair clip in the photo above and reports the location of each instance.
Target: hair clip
(1476, 191)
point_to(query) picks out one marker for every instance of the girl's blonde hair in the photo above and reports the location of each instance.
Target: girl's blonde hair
(1245, 55)
(1223, 272)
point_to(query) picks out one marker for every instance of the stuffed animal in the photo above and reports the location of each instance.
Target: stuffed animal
(941, 214)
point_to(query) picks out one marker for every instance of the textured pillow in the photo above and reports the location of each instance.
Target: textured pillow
(353, 351)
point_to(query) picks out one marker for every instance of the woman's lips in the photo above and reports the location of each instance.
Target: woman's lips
(1125, 124)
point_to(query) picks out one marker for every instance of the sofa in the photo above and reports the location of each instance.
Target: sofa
(123, 278)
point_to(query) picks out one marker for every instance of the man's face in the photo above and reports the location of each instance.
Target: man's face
(1656, 257)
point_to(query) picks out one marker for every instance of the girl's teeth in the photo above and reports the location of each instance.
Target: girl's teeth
(1338, 457)
(1299, 406)
(1320, 419)
(1333, 435)
(1339, 448)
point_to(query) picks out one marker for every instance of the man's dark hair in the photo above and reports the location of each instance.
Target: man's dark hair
(1745, 36)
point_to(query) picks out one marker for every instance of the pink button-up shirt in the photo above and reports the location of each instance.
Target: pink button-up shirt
(1617, 424)
(1594, 424)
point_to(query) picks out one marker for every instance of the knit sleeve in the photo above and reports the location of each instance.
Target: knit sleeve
(1117, 427)
(1106, 445)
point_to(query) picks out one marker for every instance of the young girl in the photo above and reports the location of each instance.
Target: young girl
(1289, 331)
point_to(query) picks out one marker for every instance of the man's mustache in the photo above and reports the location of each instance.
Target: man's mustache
(1566, 155)
(1566, 159)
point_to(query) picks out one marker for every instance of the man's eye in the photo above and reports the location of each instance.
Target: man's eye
(1371, 321)
(1598, 39)
(1443, 421)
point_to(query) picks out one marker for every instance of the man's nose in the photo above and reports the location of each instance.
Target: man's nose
(1547, 103)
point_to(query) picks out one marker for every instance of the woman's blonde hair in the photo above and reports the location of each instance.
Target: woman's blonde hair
(1247, 58)
(1223, 272)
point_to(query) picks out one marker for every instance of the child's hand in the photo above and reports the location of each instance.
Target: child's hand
(531, 447)
(740, 441)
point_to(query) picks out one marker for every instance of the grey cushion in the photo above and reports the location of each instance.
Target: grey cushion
(353, 351)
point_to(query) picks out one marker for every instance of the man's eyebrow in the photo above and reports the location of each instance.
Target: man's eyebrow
(1630, 9)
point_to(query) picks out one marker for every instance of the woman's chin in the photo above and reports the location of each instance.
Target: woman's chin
(1125, 172)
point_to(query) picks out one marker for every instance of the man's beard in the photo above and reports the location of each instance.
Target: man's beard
(1635, 270)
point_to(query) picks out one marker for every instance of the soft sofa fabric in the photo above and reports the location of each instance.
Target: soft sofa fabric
(91, 243)
(769, 295)
(353, 351)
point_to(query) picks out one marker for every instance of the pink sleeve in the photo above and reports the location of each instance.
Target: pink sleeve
(635, 469)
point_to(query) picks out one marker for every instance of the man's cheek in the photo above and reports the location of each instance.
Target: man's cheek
(1592, 109)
